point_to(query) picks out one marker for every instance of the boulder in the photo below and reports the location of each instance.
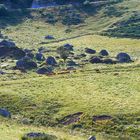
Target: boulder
(26, 64)
(71, 63)
(43, 50)
(95, 60)
(1, 72)
(30, 54)
(92, 138)
(5, 113)
(40, 57)
(38, 136)
(104, 53)
(123, 58)
(44, 70)
(68, 47)
(50, 37)
(51, 61)
(90, 51)
(108, 61)
(9, 49)
(7, 43)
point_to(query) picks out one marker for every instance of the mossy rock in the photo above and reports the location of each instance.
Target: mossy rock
(38, 136)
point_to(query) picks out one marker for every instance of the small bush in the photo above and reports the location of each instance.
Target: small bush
(72, 19)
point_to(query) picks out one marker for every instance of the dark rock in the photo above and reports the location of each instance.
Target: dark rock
(31, 55)
(1, 72)
(26, 64)
(95, 60)
(40, 57)
(7, 43)
(92, 138)
(51, 61)
(50, 37)
(71, 119)
(68, 47)
(5, 113)
(104, 53)
(9, 49)
(38, 136)
(108, 61)
(27, 50)
(71, 68)
(123, 58)
(90, 51)
(71, 63)
(44, 70)
(43, 50)
(101, 118)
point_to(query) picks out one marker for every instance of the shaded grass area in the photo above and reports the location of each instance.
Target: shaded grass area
(13, 131)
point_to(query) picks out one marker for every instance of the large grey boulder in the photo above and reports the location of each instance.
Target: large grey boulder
(9, 49)
(26, 63)
(51, 61)
(123, 58)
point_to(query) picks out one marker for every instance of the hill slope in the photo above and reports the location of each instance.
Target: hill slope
(94, 90)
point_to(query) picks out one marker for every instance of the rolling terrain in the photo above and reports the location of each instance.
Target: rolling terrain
(41, 102)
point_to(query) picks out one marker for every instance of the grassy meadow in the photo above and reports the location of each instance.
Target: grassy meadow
(94, 89)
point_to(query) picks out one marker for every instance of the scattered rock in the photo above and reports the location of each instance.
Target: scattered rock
(51, 61)
(92, 138)
(68, 47)
(108, 61)
(70, 119)
(7, 43)
(95, 60)
(40, 57)
(2, 73)
(90, 51)
(5, 113)
(30, 54)
(38, 136)
(72, 63)
(50, 37)
(9, 49)
(43, 50)
(26, 63)
(123, 58)
(101, 118)
(104, 53)
(48, 70)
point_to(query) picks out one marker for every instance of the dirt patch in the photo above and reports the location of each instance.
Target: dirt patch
(72, 118)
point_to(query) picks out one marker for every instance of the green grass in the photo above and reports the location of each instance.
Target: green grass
(44, 100)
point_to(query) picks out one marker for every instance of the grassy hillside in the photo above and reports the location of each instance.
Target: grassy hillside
(95, 89)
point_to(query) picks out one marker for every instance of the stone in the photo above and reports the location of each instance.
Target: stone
(9, 49)
(71, 63)
(123, 58)
(2, 73)
(108, 61)
(7, 43)
(38, 136)
(44, 70)
(95, 60)
(51, 61)
(104, 53)
(5, 113)
(40, 57)
(92, 138)
(26, 64)
(50, 37)
(68, 47)
(90, 51)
